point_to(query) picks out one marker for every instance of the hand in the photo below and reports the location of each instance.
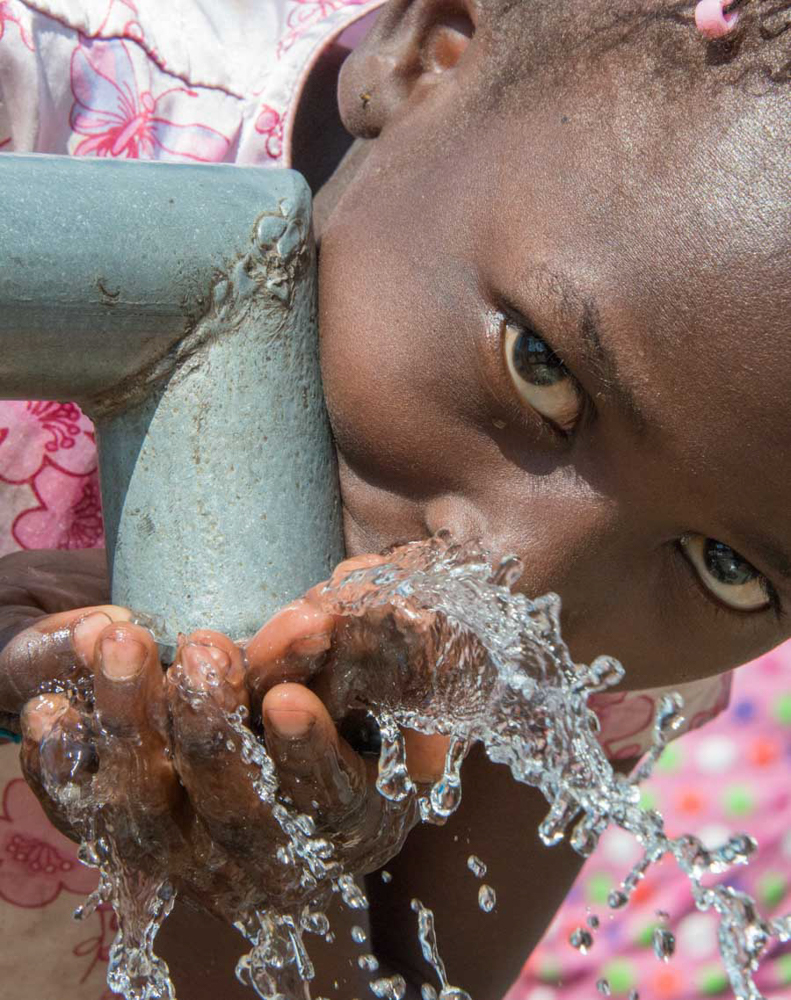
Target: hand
(160, 755)
(38, 592)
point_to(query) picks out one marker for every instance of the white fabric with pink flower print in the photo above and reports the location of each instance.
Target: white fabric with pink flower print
(185, 80)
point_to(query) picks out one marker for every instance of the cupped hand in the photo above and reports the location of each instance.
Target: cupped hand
(53, 651)
(174, 760)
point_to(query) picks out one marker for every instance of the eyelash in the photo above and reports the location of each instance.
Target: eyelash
(775, 605)
(508, 315)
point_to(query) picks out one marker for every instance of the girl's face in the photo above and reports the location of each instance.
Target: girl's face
(563, 332)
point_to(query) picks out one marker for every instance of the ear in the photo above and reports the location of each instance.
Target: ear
(413, 46)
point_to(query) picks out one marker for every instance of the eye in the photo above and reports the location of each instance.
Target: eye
(540, 377)
(729, 577)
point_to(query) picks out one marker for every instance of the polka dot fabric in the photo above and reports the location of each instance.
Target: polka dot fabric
(732, 775)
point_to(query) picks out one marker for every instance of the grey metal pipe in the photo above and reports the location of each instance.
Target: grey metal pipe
(177, 304)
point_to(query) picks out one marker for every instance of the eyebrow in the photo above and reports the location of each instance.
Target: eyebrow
(605, 366)
(606, 370)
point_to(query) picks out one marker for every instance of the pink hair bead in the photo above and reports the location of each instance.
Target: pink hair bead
(712, 20)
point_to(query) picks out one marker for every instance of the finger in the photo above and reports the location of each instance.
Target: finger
(317, 770)
(291, 646)
(54, 648)
(57, 757)
(324, 778)
(128, 684)
(136, 781)
(425, 755)
(205, 685)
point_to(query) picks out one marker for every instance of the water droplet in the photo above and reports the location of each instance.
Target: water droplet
(476, 866)
(393, 781)
(445, 795)
(393, 988)
(582, 940)
(617, 899)
(368, 963)
(315, 922)
(351, 894)
(663, 943)
(487, 898)
(603, 987)
(358, 935)
(593, 921)
(386, 877)
(427, 992)
(633, 995)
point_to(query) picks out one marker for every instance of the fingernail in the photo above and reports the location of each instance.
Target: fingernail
(290, 724)
(205, 664)
(39, 717)
(310, 645)
(86, 632)
(122, 657)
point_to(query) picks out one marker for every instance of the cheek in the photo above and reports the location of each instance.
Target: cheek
(399, 371)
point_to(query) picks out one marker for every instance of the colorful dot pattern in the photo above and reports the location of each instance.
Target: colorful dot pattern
(732, 775)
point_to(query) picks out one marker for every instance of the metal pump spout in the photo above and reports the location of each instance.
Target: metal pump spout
(177, 305)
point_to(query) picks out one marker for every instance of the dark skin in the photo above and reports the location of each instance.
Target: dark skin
(587, 215)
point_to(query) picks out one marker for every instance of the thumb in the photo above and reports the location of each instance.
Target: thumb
(51, 648)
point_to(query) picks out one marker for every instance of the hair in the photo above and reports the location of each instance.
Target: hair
(562, 35)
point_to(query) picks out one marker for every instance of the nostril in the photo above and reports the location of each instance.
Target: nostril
(451, 513)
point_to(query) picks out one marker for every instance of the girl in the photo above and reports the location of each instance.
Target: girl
(553, 307)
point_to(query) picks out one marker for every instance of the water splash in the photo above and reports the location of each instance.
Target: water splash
(490, 667)
(427, 936)
(141, 903)
(496, 671)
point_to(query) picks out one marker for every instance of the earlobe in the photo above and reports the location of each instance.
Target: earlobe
(412, 43)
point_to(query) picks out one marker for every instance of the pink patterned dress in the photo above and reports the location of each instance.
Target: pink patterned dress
(179, 80)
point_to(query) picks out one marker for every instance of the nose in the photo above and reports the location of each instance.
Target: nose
(576, 546)
(455, 514)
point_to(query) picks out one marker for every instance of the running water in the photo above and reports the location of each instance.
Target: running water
(490, 667)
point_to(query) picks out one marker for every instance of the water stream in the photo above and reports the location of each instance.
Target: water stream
(488, 666)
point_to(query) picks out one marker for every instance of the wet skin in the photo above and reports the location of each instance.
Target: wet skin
(621, 233)
(590, 216)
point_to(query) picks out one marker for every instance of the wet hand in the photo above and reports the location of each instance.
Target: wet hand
(50, 651)
(161, 755)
